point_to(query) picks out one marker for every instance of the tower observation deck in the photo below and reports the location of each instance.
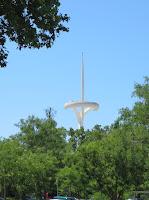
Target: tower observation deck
(81, 107)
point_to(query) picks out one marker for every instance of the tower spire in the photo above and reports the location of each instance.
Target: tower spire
(81, 107)
(82, 93)
(82, 79)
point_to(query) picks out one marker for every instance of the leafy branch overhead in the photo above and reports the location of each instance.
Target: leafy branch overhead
(30, 23)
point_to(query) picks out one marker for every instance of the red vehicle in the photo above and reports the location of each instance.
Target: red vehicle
(47, 196)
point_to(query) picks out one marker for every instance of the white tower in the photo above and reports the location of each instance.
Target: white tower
(81, 107)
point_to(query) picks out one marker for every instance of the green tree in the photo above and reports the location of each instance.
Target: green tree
(32, 24)
(69, 181)
(10, 150)
(23, 171)
(76, 137)
(138, 115)
(106, 162)
(36, 133)
(35, 173)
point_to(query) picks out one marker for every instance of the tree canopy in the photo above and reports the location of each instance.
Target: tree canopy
(107, 163)
(29, 23)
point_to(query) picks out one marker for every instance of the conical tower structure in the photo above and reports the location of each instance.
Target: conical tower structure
(81, 107)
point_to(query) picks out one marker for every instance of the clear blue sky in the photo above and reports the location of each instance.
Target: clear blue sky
(114, 36)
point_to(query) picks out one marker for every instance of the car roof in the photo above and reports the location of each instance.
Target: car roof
(55, 199)
(63, 197)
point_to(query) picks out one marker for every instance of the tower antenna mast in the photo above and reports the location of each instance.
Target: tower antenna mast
(82, 79)
(81, 107)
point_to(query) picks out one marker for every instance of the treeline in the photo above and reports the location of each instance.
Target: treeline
(105, 162)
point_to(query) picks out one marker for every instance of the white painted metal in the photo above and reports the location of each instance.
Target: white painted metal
(81, 107)
(82, 80)
(82, 93)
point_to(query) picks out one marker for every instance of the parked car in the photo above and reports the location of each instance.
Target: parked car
(64, 198)
(28, 197)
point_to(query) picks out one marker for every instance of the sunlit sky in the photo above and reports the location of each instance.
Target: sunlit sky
(114, 36)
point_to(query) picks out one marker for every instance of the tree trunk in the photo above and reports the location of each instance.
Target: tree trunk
(4, 188)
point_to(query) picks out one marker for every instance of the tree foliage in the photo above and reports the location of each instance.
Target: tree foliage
(105, 162)
(29, 23)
